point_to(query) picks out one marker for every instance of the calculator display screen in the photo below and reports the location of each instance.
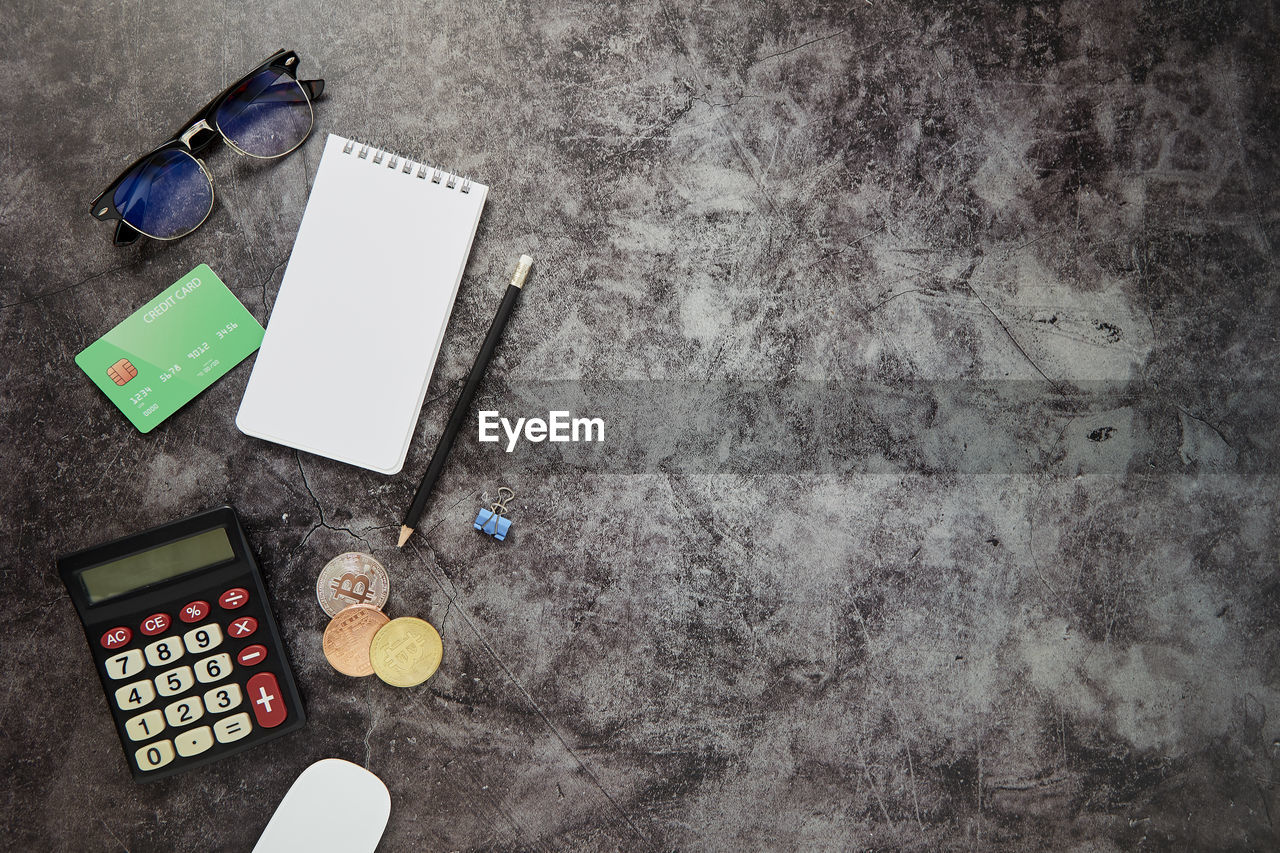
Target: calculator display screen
(156, 564)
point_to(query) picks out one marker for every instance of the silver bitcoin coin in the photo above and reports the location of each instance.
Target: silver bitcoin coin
(352, 578)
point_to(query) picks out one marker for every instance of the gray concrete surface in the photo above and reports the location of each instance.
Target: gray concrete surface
(1066, 656)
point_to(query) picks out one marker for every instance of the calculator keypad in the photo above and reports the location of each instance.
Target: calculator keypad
(124, 664)
(164, 652)
(196, 666)
(136, 695)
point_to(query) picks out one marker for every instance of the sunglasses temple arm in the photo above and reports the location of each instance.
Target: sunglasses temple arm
(126, 234)
(314, 88)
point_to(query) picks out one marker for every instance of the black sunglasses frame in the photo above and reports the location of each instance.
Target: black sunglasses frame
(196, 136)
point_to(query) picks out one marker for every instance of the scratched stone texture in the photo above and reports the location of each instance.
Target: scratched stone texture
(1036, 192)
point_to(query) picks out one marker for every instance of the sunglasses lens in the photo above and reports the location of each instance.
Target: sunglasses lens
(166, 195)
(267, 115)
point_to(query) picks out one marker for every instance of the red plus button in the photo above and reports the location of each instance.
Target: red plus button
(242, 627)
(194, 612)
(156, 623)
(116, 637)
(233, 598)
(252, 655)
(268, 704)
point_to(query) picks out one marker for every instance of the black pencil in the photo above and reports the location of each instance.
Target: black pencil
(464, 402)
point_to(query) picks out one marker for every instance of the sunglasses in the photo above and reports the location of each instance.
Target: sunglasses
(168, 193)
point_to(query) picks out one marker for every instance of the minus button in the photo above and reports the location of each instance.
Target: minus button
(252, 655)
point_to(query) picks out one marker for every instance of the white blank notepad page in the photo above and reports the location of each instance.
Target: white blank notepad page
(363, 305)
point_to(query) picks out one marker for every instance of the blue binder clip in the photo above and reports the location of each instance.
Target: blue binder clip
(493, 521)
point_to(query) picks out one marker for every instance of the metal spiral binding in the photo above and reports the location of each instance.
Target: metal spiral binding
(420, 169)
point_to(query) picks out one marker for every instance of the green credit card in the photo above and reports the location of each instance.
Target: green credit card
(172, 348)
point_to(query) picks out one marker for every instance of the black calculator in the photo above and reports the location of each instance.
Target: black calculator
(188, 652)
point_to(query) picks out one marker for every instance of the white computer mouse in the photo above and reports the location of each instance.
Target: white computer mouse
(305, 818)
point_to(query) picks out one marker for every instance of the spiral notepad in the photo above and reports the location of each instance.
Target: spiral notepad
(353, 336)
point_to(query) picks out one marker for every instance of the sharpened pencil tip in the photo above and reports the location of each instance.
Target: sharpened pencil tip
(405, 533)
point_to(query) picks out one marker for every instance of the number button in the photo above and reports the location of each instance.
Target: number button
(194, 612)
(194, 742)
(125, 663)
(156, 623)
(232, 728)
(145, 725)
(213, 668)
(174, 681)
(222, 699)
(135, 695)
(155, 755)
(164, 651)
(233, 598)
(184, 712)
(116, 637)
(203, 638)
(242, 627)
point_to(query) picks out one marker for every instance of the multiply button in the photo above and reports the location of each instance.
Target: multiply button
(242, 627)
(116, 637)
(233, 598)
(156, 623)
(268, 704)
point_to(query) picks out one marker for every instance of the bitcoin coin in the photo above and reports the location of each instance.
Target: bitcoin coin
(352, 578)
(406, 652)
(348, 636)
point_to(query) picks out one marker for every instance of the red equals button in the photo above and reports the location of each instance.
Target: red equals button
(252, 655)
(267, 700)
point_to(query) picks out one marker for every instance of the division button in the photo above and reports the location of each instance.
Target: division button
(252, 655)
(233, 598)
(268, 702)
(116, 637)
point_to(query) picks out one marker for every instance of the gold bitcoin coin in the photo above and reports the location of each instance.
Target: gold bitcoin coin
(352, 578)
(348, 637)
(406, 652)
